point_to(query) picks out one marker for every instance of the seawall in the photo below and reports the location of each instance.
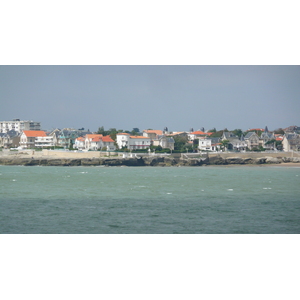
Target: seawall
(95, 158)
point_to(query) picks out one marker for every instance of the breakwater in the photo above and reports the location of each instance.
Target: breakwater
(163, 161)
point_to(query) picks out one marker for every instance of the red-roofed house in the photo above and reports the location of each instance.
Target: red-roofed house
(108, 142)
(198, 134)
(79, 143)
(35, 138)
(152, 134)
(92, 141)
(95, 142)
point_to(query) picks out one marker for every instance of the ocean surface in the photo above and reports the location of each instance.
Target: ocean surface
(155, 200)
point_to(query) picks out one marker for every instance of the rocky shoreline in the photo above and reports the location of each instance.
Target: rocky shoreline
(146, 161)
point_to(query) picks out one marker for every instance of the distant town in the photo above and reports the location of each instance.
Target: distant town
(21, 134)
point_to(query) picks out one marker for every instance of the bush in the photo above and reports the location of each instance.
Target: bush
(140, 150)
(163, 150)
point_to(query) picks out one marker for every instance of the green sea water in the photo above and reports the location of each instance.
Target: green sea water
(156, 200)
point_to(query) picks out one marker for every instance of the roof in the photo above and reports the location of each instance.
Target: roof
(123, 133)
(82, 139)
(249, 134)
(199, 132)
(291, 128)
(228, 135)
(96, 139)
(158, 132)
(139, 137)
(34, 133)
(267, 135)
(256, 129)
(215, 140)
(92, 136)
(167, 138)
(176, 133)
(291, 136)
(107, 139)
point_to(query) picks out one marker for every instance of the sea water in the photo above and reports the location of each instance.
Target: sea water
(156, 200)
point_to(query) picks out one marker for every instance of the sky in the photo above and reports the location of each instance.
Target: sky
(179, 97)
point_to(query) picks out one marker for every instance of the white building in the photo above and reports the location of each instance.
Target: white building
(44, 141)
(18, 125)
(291, 142)
(152, 134)
(123, 140)
(198, 135)
(79, 143)
(209, 144)
(133, 142)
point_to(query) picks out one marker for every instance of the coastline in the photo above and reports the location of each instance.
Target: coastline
(162, 161)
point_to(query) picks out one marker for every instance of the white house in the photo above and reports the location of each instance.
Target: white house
(44, 141)
(152, 134)
(291, 142)
(123, 140)
(108, 142)
(198, 134)
(209, 144)
(79, 143)
(133, 142)
(139, 142)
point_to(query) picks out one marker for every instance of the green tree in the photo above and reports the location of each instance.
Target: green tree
(224, 144)
(270, 142)
(136, 130)
(133, 132)
(180, 143)
(237, 132)
(101, 131)
(279, 131)
(212, 130)
(217, 134)
(279, 145)
(195, 144)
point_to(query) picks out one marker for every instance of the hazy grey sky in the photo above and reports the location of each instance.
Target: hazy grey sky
(179, 97)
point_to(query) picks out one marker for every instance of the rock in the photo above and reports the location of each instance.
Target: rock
(32, 162)
(90, 162)
(169, 161)
(272, 160)
(56, 162)
(296, 159)
(249, 160)
(217, 160)
(133, 162)
(234, 160)
(75, 162)
(260, 160)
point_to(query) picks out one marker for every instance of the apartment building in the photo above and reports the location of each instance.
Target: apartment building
(18, 125)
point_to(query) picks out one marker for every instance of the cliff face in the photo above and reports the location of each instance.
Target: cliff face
(144, 161)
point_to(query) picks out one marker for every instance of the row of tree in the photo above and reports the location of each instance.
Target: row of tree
(113, 132)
